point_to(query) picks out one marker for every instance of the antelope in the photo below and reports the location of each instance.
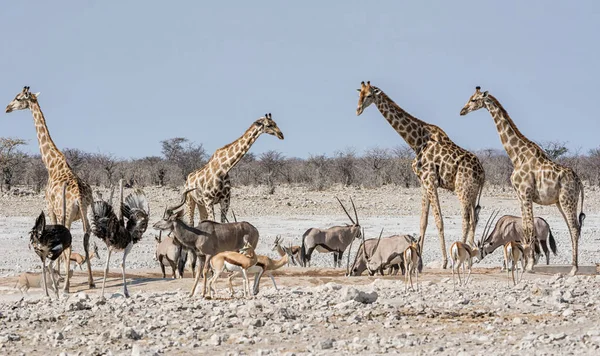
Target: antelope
(334, 239)
(513, 253)
(34, 280)
(168, 250)
(208, 238)
(462, 254)
(80, 260)
(266, 265)
(388, 254)
(233, 261)
(510, 228)
(293, 250)
(411, 264)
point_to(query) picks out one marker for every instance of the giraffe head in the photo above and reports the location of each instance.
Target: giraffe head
(476, 101)
(366, 97)
(22, 101)
(267, 125)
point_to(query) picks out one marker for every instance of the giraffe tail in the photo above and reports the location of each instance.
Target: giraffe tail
(478, 207)
(581, 214)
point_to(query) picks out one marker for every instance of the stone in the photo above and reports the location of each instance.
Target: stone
(351, 293)
(325, 344)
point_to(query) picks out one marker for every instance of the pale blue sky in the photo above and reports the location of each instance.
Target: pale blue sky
(119, 76)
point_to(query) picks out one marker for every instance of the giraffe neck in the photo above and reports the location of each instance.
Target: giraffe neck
(53, 159)
(413, 130)
(231, 154)
(512, 139)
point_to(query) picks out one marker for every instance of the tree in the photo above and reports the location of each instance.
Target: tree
(271, 163)
(76, 158)
(378, 160)
(108, 164)
(11, 159)
(404, 156)
(184, 154)
(345, 164)
(157, 169)
(554, 149)
(36, 173)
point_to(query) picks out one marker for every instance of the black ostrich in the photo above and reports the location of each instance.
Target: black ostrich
(112, 229)
(49, 242)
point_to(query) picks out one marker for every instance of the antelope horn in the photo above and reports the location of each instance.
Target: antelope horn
(378, 240)
(488, 225)
(348, 259)
(355, 214)
(183, 196)
(346, 211)
(364, 247)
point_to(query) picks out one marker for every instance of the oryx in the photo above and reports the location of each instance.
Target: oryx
(335, 239)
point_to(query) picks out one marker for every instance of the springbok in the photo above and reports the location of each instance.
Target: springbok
(335, 239)
(411, 264)
(233, 261)
(80, 260)
(461, 254)
(282, 250)
(513, 253)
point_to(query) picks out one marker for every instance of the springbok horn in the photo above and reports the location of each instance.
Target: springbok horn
(355, 214)
(346, 211)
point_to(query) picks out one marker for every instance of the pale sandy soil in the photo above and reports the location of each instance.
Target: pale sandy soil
(310, 314)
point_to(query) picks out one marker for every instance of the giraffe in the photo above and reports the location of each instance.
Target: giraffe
(212, 181)
(78, 193)
(535, 178)
(439, 162)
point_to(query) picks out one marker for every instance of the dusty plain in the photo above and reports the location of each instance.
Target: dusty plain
(316, 310)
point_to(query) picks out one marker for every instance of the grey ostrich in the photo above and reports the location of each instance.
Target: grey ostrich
(111, 228)
(49, 242)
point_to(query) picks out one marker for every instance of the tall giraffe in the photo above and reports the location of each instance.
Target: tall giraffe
(212, 181)
(439, 162)
(535, 177)
(78, 194)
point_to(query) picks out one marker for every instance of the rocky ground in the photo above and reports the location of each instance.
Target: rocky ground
(316, 310)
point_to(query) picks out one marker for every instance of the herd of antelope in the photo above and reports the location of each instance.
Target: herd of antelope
(377, 255)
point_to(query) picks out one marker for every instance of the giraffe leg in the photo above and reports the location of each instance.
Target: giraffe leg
(437, 214)
(225, 202)
(424, 216)
(528, 229)
(569, 210)
(467, 188)
(191, 209)
(210, 211)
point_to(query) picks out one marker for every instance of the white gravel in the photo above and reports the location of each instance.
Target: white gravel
(312, 313)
